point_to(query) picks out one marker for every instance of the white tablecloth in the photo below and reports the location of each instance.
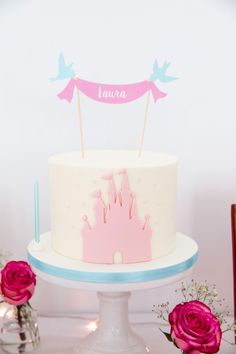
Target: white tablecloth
(59, 335)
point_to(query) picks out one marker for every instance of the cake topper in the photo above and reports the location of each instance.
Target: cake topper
(159, 73)
(64, 71)
(112, 93)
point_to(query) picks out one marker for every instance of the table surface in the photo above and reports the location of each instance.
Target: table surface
(59, 335)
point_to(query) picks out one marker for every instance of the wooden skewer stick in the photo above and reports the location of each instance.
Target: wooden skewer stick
(80, 125)
(144, 123)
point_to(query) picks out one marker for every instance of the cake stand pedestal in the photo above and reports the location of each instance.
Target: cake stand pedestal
(114, 285)
(114, 333)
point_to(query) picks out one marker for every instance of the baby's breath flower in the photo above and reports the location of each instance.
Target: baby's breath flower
(233, 327)
(162, 311)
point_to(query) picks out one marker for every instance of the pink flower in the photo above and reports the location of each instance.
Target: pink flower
(17, 282)
(194, 329)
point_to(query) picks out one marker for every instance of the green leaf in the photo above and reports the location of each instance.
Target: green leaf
(167, 335)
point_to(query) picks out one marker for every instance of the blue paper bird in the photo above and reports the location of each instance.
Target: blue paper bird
(64, 71)
(159, 73)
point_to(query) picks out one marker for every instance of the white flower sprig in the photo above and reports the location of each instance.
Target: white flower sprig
(206, 293)
(201, 291)
(162, 311)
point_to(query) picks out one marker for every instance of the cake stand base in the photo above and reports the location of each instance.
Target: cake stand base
(113, 284)
(114, 333)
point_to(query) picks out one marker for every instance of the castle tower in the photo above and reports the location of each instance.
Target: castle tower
(117, 227)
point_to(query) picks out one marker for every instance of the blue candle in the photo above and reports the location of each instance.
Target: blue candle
(36, 212)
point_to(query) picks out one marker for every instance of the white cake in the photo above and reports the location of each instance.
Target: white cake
(96, 202)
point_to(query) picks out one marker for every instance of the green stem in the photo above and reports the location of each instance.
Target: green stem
(32, 327)
(21, 334)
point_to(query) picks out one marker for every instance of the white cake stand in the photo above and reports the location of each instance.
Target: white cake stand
(114, 284)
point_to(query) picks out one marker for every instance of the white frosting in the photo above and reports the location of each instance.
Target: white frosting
(72, 180)
(110, 159)
(37, 246)
(184, 250)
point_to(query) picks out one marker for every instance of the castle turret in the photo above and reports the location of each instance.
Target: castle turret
(112, 194)
(133, 208)
(125, 191)
(99, 208)
(146, 226)
(87, 226)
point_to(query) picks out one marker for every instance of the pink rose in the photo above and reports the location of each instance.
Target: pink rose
(17, 282)
(194, 329)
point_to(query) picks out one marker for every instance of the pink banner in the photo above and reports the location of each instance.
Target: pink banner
(107, 93)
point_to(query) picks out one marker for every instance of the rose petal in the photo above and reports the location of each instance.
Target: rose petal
(194, 351)
(17, 300)
(173, 316)
(181, 344)
(195, 304)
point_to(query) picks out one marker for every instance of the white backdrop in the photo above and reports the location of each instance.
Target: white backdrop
(117, 41)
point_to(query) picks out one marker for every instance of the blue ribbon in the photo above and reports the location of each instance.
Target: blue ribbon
(116, 277)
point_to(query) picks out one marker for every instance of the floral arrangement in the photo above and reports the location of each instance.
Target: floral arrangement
(17, 282)
(17, 285)
(196, 324)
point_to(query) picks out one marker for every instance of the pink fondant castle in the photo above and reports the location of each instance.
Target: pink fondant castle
(117, 228)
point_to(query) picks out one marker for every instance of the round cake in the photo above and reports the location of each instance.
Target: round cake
(113, 206)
